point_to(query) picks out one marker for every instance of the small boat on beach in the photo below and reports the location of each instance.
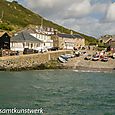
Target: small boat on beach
(62, 60)
(95, 58)
(88, 57)
(70, 55)
(64, 57)
(67, 56)
(113, 56)
(77, 53)
(104, 59)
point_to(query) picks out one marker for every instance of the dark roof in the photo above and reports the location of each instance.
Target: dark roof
(78, 36)
(70, 36)
(5, 37)
(24, 36)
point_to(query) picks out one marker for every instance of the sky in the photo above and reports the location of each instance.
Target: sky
(91, 17)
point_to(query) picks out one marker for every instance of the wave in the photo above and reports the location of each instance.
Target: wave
(36, 87)
(92, 71)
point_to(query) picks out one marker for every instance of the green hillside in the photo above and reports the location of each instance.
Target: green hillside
(14, 16)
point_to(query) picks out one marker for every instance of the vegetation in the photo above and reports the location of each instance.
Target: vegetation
(52, 64)
(6, 27)
(90, 40)
(15, 16)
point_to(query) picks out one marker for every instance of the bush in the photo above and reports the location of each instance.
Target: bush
(6, 27)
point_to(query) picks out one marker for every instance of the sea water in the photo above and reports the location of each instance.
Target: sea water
(59, 92)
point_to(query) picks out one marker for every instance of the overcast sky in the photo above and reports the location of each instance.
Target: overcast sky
(91, 17)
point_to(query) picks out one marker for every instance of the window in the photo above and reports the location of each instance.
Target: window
(31, 45)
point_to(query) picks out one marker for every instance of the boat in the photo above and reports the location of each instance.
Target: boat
(62, 60)
(104, 59)
(70, 55)
(95, 58)
(113, 56)
(88, 57)
(65, 57)
(77, 53)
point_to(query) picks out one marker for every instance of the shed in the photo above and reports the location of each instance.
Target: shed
(5, 41)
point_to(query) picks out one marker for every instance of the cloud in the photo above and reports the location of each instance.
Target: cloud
(111, 13)
(63, 8)
(92, 17)
(78, 9)
(100, 7)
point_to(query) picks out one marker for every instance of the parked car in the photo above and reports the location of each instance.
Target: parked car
(53, 49)
(12, 53)
(41, 49)
(28, 51)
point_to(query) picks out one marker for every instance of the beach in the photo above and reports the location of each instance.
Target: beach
(80, 63)
(49, 60)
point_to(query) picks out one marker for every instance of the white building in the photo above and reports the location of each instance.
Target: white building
(46, 39)
(24, 40)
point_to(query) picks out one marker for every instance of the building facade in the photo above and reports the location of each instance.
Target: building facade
(106, 40)
(109, 41)
(46, 39)
(68, 41)
(24, 40)
(42, 35)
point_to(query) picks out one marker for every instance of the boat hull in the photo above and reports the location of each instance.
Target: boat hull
(62, 60)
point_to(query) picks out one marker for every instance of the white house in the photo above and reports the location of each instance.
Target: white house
(24, 40)
(45, 38)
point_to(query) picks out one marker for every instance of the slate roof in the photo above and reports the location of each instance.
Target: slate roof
(70, 36)
(24, 36)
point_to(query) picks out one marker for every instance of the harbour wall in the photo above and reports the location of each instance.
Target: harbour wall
(30, 61)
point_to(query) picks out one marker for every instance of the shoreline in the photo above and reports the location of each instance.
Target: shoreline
(96, 69)
(60, 66)
(49, 60)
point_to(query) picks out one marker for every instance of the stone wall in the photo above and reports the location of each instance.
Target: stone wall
(28, 61)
